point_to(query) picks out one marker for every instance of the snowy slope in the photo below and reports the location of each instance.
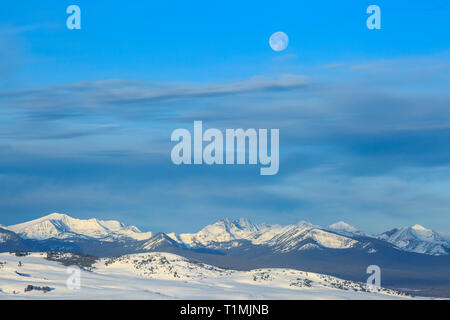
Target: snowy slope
(168, 276)
(62, 226)
(4, 235)
(417, 239)
(9, 239)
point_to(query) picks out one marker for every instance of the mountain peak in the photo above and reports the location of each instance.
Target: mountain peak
(246, 224)
(419, 227)
(159, 241)
(243, 224)
(342, 226)
(304, 224)
(55, 216)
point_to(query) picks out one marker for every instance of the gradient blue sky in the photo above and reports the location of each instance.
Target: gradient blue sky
(364, 115)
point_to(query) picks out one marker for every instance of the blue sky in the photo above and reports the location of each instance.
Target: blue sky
(86, 115)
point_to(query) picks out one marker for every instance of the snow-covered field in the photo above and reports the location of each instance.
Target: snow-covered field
(168, 276)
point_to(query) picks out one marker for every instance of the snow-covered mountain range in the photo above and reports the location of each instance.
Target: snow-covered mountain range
(227, 234)
(304, 235)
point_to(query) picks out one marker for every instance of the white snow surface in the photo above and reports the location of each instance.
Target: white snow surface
(168, 276)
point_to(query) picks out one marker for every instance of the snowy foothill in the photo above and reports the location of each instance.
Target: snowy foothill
(168, 276)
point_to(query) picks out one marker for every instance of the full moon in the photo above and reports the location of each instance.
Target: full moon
(279, 41)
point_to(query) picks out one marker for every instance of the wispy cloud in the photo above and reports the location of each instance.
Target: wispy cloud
(126, 91)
